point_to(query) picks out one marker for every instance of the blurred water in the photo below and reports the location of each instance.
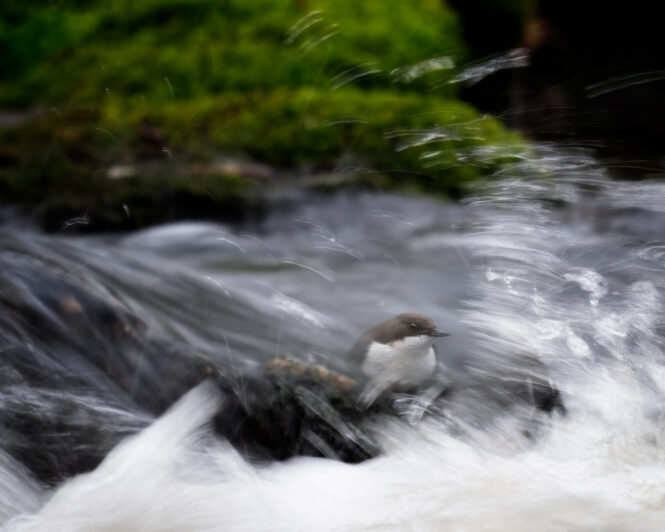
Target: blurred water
(555, 261)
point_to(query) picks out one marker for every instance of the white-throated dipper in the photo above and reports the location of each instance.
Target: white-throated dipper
(396, 355)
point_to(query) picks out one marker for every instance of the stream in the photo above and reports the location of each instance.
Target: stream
(553, 261)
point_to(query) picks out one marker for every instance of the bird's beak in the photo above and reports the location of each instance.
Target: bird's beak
(438, 333)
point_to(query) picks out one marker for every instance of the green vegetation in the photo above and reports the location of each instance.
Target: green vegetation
(164, 87)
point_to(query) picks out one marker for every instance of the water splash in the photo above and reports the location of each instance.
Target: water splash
(517, 58)
(407, 74)
(352, 74)
(311, 19)
(556, 271)
(624, 82)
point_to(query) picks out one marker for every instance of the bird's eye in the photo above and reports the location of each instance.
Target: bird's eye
(413, 325)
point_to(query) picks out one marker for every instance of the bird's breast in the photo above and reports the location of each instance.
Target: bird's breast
(402, 365)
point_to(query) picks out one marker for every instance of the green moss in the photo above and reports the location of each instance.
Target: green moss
(294, 83)
(203, 47)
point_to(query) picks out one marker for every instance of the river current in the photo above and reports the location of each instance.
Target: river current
(554, 260)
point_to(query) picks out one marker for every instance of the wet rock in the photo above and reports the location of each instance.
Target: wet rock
(287, 409)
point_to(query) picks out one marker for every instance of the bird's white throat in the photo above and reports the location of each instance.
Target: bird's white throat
(402, 364)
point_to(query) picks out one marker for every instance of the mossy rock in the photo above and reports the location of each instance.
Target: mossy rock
(311, 86)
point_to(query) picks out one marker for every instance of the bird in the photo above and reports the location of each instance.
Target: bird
(397, 355)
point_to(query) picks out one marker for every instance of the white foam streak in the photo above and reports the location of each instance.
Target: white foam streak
(299, 310)
(133, 488)
(599, 469)
(19, 492)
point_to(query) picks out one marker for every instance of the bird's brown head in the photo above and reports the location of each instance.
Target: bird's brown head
(404, 325)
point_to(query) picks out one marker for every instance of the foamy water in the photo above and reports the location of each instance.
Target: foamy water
(599, 470)
(567, 267)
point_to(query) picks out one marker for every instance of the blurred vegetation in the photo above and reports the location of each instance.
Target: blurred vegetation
(125, 106)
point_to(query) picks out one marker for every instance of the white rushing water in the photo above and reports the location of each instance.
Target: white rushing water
(568, 267)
